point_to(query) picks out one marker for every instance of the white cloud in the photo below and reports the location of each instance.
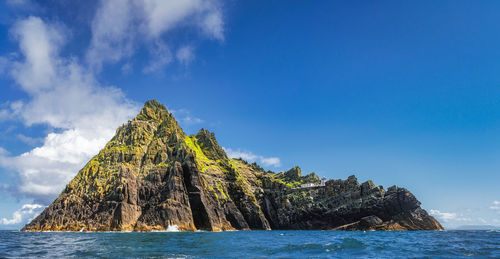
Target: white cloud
(161, 16)
(495, 206)
(29, 140)
(185, 55)
(3, 151)
(66, 97)
(213, 25)
(251, 157)
(119, 26)
(191, 120)
(10, 110)
(4, 63)
(26, 212)
(40, 45)
(160, 56)
(448, 216)
(18, 2)
(127, 68)
(444, 216)
(112, 34)
(25, 5)
(248, 156)
(5, 114)
(185, 117)
(270, 161)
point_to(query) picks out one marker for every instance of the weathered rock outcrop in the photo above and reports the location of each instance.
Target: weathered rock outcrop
(151, 175)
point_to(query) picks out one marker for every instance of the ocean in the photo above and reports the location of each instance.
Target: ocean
(252, 244)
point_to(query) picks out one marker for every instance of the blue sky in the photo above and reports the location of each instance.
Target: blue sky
(403, 93)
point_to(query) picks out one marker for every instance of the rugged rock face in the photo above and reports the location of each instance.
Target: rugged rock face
(151, 175)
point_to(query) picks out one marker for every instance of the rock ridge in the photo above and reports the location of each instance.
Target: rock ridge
(151, 175)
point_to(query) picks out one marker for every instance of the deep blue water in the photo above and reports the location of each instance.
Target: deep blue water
(244, 244)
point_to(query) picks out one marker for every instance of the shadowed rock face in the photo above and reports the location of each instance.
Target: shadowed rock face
(151, 175)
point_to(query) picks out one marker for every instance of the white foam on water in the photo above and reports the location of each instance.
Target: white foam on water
(173, 228)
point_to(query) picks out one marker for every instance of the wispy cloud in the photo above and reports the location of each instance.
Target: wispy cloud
(26, 212)
(4, 114)
(29, 140)
(270, 161)
(448, 216)
(483, 221)
(185, 117)
(185, 55)
(127, 68)
(495, 206)
(26, 5)
(121, 26)
(4, 63)
(112, 37)
(3, 151)
(9, 110)
(160, 55)
(468, 216)
(251, 157)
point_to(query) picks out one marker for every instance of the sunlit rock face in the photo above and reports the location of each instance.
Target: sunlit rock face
(152, 176)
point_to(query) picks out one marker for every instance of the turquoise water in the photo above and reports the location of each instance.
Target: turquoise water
(244, 244)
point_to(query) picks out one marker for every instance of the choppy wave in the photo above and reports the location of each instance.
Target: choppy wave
(171, 228)
(319, 244)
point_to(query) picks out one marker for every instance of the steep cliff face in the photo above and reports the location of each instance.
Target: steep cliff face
(151, 175)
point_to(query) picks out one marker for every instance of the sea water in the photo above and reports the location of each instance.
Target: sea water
(245, 244)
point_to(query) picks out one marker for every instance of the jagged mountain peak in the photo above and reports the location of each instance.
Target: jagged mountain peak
(152, 111)
(210, 146)
(294, 173)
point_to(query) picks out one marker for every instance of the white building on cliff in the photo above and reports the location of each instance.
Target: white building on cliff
(309, 185)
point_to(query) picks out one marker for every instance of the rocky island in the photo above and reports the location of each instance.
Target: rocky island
(152, 176)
